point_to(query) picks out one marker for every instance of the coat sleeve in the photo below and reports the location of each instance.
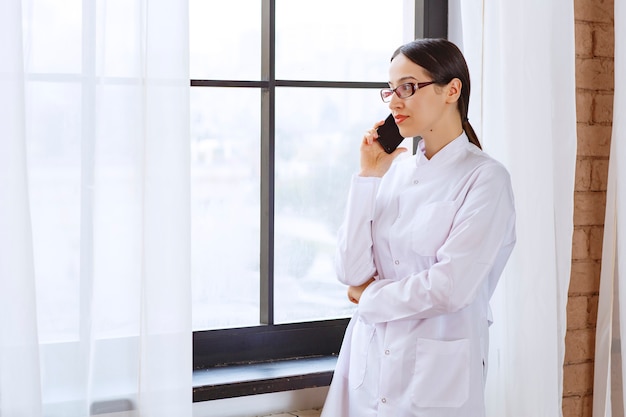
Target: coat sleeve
(480, 241)
(354, 260)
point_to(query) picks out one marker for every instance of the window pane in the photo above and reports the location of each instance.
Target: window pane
(225, 39)
(53, 32)
(120, 38)
(348, 40)
(54, 169)
(117, 210)
(317, 151)
(225, 206)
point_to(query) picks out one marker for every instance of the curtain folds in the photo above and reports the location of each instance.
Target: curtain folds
(95, 305)
(523, 106)
(609, 371)
(19, 350)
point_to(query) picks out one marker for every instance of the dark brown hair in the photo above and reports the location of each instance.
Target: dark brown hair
(444, 61)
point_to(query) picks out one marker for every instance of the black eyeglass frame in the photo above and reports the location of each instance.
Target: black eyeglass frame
(386, 93)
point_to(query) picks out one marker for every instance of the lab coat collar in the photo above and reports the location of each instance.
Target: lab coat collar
(444, 153)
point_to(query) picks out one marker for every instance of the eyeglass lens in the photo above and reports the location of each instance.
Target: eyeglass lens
(405, 90)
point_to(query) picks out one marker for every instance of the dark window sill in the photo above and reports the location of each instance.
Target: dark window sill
(262, 378)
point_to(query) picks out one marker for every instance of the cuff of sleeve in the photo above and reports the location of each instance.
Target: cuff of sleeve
(363, 192)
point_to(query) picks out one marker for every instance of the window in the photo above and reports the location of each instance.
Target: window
(281, 93)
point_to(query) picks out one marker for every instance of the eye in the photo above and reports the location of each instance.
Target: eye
(405, 90)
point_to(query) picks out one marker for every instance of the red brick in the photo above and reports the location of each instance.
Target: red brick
(572, 406)
(577, 313)
(603, 108)
(599, 174)
(585, 277)
(589, 208)
(593, 140)
(580, 243)
(594, 10)
(594, 73)
(580, 345)
(577, 378)
(592, 307)
(596, 234)
(583, 175)
(584, 106)
(603, 41)
(588, 405)
(584, 39)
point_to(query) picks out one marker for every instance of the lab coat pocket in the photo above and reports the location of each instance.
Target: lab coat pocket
(361, 339)
(442, 373)
(431, 226)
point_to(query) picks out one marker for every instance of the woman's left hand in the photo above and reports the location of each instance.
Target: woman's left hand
(354, 293)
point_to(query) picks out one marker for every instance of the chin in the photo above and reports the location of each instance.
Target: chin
(407, 133)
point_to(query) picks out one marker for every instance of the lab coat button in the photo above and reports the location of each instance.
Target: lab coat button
(415, 181)
(387, 352)
(397, 262)
(383, 400)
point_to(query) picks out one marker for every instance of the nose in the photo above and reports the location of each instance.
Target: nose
(395, 101)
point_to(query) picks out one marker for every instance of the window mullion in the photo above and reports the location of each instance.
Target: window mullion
(431, 19)
(268, 98)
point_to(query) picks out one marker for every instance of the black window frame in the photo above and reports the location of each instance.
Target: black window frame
(270, 342)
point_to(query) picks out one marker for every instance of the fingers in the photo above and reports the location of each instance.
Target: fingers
(351, 297)
(374, 160)
(354, 293)
(372, 134)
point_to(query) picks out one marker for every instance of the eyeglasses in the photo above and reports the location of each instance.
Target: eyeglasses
(403, 90)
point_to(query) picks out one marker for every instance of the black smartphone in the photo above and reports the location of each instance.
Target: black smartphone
(389, 135)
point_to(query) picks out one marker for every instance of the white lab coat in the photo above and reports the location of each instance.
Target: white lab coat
(436, 234)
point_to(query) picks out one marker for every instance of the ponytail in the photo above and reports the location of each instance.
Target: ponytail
(467, 127)
(469, 131)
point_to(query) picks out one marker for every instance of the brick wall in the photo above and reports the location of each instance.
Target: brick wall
(594, 114)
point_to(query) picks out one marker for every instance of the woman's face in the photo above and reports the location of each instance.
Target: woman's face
(425, 110)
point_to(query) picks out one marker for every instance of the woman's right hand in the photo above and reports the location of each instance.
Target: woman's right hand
(374, 160)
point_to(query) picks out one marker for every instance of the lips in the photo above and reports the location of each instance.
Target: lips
(399, 118)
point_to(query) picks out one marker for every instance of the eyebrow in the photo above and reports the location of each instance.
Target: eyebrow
(404, 79)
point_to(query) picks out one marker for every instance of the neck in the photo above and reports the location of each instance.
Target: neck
(434, 140)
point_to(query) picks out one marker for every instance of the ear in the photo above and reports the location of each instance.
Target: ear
(453, 90)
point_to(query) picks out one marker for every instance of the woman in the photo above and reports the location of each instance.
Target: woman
(422, 247)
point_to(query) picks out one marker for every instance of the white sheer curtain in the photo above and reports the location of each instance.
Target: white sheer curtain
(95, 312)
(19, 396)
(521, 57)
(609, 371)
